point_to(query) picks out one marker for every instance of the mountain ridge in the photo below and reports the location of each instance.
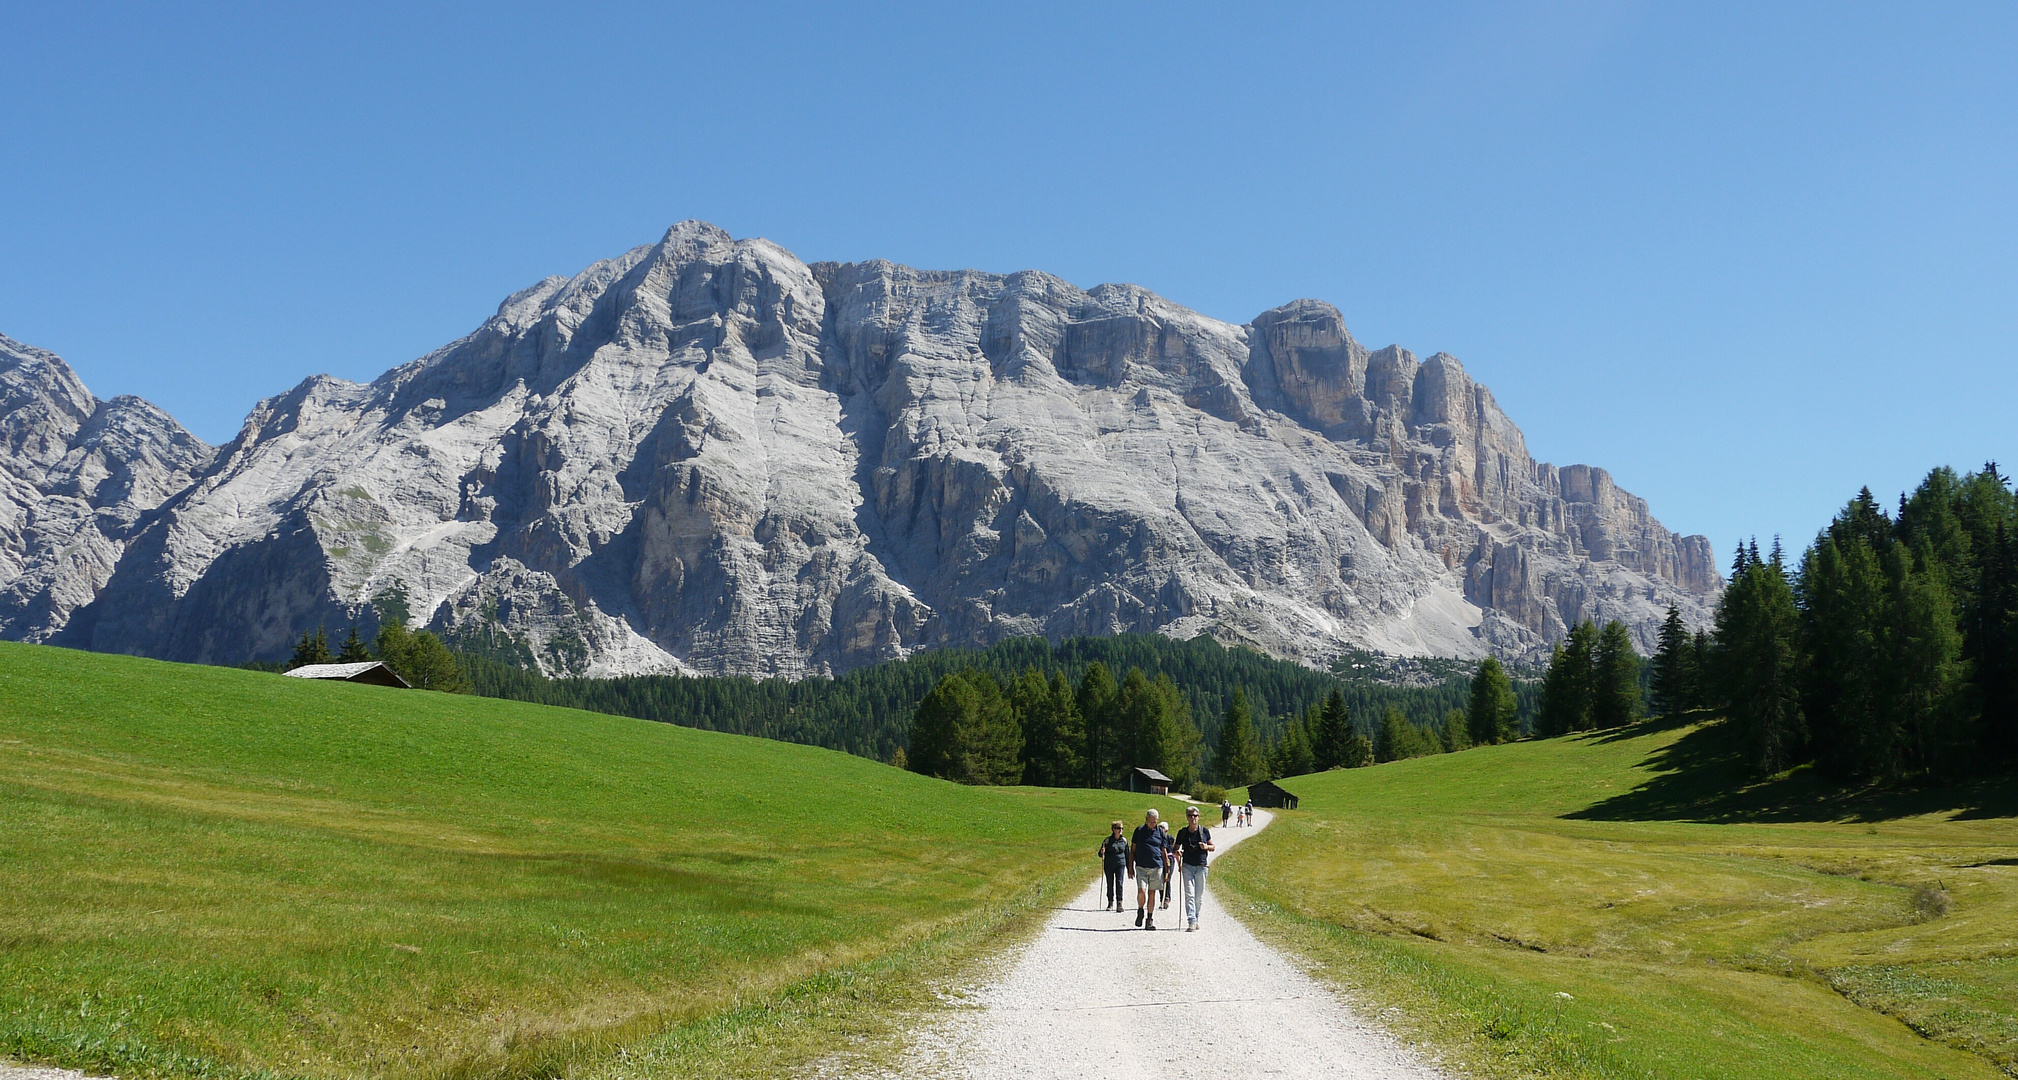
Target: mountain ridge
(705, 455)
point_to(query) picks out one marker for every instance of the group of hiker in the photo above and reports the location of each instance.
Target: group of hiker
(1157, 860)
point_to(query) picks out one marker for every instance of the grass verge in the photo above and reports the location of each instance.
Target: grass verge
(222, 873)
(1528, 911)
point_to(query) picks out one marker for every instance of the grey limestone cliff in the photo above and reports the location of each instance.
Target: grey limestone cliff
(706, 455)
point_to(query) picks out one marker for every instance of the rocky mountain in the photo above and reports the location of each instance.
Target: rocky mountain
(76, 476)
(706, 455)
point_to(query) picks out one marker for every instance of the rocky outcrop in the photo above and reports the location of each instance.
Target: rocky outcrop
(77, 475)
(707, 455)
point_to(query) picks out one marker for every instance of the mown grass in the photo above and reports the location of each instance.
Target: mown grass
(217, 872)
(1623, 905)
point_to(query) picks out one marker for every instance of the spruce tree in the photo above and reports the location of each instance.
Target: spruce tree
(311, 649)
(1567, 689)
(354, 650)
(1095, 701)
(1456, 731)
(965, 731)
(1358, 752)
(1494, 714)
(1615, 678)
(1238, 761)
(1669, 689)
(1923, 679)
(1328, 739)
(1296, 758)
(1758, 660)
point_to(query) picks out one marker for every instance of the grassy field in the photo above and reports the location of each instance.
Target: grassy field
(226, 873)
(1624, 906)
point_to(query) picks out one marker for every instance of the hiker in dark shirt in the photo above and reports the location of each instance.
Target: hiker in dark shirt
(1169, 863)
(1146, 867)
(1114, 861)
(1193, 841)
(1225, 812)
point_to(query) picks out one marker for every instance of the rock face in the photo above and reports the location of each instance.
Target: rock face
(77, 475)
(706, 455)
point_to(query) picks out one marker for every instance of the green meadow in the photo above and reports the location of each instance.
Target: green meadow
(215, 872)
(1624, 904)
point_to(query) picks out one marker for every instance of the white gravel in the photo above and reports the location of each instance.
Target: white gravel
(1094, 997)
(12, 1071)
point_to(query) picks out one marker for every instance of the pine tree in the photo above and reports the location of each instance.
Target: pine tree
(1238, 761)
(965, 731)
(1922, 682)
(1699, 663)
(1293, 756)
(1567, 689)
(1397, 738)
(311, 649)
(1841, 597)
(1332, 732)
(354, 651)
(1456, 731)
(1096, 699)
(1996, 662)
(1758, 660)
(1358, 752)
(1494, 715)
(1615, 679)
(1672, 675)
(1053, 737)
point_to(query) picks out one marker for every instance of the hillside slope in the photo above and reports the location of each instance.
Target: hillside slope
(1603, 906)
(218, 872)
(708, 455)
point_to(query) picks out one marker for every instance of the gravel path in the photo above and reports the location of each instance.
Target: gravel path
(1094, 997)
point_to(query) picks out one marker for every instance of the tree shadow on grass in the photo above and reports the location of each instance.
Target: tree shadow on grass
(1704, 776)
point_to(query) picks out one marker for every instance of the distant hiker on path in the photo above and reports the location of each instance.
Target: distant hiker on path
(1225, 812)
(1146, 847)
(1114, 860)
(1194, 840)
(1247, 812)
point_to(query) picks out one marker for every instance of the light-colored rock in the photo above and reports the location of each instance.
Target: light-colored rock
(77, 475)
(706, 455)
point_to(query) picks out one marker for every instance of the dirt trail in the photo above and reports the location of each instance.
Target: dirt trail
(1094, 997)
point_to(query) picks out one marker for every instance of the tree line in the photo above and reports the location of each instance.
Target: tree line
(869, 711)
(1888, 652)
(1046, 731)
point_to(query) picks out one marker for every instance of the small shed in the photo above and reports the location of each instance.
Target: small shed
(1148, 782)
(370, 672)
(1266, 793)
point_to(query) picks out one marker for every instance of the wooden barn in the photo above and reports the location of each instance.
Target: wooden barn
(1265, 793)
(1148, 782)
(371, 673)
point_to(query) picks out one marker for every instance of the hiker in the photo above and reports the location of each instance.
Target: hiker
(1169, 863)
(1194, 840)
(1114, 860)
(1248, 811)
(1145, 851)
(1225, 812)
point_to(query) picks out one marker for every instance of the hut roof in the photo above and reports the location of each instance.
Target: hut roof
(1153, 774)
(369, 671)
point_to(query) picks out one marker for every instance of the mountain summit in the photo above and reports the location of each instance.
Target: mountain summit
(706, 455)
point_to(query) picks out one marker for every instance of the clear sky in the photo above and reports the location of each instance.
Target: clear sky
(1748, 257)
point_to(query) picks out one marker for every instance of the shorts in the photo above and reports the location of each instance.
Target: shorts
(1149, 877)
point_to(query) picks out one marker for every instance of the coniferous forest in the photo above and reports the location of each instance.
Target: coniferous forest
(1885, 653)
(1171, 700)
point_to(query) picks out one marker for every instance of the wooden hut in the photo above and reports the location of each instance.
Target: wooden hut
(1266, 793)
(1148, 782)
(370, 672)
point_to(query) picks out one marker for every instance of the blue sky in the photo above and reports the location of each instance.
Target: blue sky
(1749, 260)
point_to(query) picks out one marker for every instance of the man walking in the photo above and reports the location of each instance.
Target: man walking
(1225, 812)
(1146, 848)
(1193, 841)
(1114, 860)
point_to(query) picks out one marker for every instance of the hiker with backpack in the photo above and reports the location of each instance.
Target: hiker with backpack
(1146, 850)
(1193, 841)
(1114, 862)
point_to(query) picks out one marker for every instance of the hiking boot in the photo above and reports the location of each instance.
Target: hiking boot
(1152, 922)
(1138, 916)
